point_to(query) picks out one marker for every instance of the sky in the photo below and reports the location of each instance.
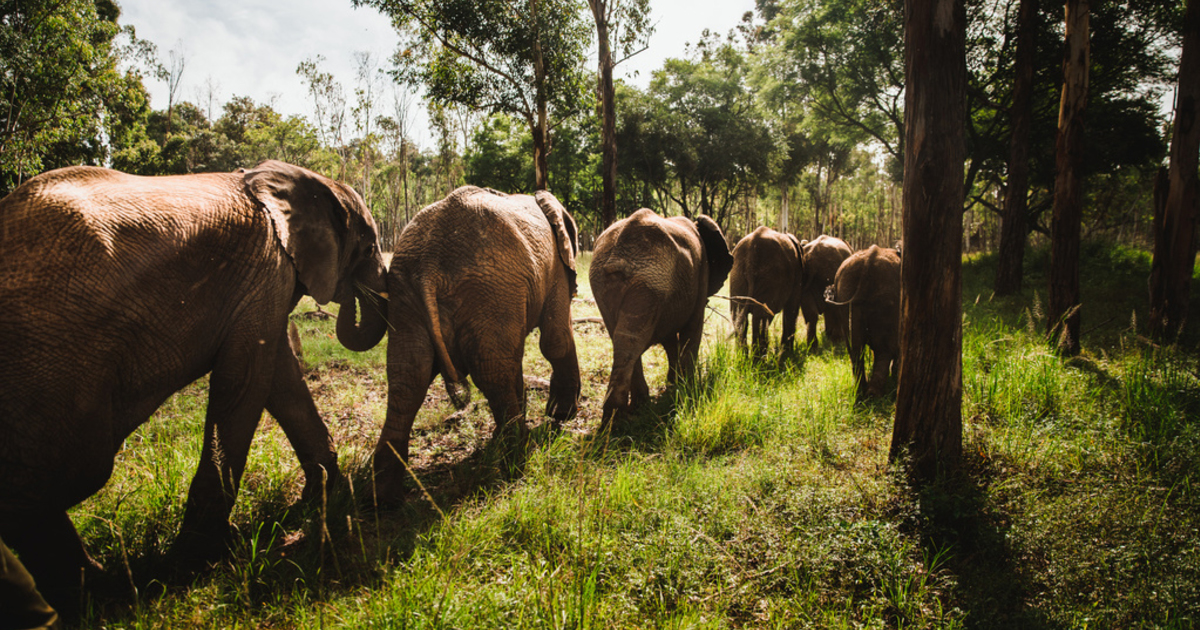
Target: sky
(252, 47)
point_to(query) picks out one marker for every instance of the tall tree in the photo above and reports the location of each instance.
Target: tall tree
(1064, 309)
(522, 57)
(928, 423)
(1014, 226)
(1175, 233)
(61, 81)
(627, 23)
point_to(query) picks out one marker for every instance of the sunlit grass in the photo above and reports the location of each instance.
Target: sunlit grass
(758, 494)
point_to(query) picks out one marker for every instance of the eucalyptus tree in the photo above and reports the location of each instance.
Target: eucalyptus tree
(625, 24)
(521, 57)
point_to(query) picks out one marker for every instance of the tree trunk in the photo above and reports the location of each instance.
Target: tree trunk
(1015, 224)
(1175, 239)
(541, 139)
(928, 426)
(1065, 318)
(608, 116)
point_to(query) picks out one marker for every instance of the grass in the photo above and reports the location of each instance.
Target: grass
(758, 495)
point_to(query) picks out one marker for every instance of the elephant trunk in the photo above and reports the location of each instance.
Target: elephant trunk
(361, 336)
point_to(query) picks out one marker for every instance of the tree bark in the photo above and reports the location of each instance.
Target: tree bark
(928, 426)
(608, 116)
(1014, 227)
(1175, 238)
(540, 131)
(1065, 319)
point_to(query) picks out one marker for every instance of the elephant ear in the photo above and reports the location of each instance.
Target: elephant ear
(565, 234)
(309, 218)
(720, 261)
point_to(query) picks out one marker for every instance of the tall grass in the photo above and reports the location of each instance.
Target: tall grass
(758, 494)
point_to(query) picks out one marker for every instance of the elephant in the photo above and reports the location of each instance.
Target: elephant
(767, 269)
(822, 257)
(472, 275)
(652, 277)
(119, 290)
(868, 283)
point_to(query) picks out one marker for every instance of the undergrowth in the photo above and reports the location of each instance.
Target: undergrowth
(758, 494)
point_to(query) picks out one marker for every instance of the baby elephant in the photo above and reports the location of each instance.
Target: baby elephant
(767, 270)
(868, 282)
(472, 276)
(652, 277)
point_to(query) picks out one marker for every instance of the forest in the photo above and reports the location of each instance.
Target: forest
(1028, 468)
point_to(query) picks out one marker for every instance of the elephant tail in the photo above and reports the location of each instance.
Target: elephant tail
(456, 388)
(831, 290)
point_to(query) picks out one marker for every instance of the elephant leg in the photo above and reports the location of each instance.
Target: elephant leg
(835, 323)
(762, 340)
(739, 313)
(880, 369)
(639, 389)
(237, 396)
(52, 552)
(410, 370)
(787, 341)
(857, 348)
(557, 343)
(20, 599)
(689, 347)
(627, 382)
(291, 404)
(502, 382)
(810, 312)
(671, 349)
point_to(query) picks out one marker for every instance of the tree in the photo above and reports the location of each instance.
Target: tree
(1064, 314)
(928, 425)
(627, 22)
(1175, 232)
(60, 75)
(697, 135)
(172, 73)
(522, 57)
(1014, 228)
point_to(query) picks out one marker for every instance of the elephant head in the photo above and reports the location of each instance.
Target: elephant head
(331, 239)
(720, 261)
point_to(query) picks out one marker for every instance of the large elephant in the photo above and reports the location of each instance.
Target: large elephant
(119, 290)
(767, 269)
(868, 282)
(472, 276)
(822, 257)
(652, 277)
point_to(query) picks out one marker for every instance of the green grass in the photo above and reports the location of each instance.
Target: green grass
(758, 495)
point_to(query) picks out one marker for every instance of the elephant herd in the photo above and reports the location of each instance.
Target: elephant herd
(120, 290)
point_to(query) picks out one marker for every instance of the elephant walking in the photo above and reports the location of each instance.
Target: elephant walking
(822, 257)
(767, 268)
(120, 290)
(868, 282)
(652, 277)
(472, 276)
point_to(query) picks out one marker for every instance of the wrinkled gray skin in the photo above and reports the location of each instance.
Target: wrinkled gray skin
(652, 277)
(120, 290)
(472, 276)
(868, 282)
(822, 257)
(767, 267)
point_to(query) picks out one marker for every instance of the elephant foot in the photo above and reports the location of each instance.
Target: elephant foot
(388, 485)
(562, 408)
(319, 481)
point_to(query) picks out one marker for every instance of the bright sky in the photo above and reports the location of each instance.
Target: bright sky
(252, 47)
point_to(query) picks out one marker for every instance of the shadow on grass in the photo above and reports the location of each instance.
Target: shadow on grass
(957, 523)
